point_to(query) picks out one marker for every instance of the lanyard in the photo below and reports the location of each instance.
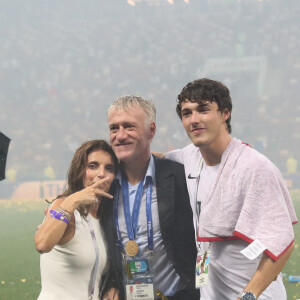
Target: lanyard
(197, 205)
(132, 222)
(95, 268)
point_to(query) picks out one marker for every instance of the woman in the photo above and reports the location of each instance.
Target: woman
(71, 241)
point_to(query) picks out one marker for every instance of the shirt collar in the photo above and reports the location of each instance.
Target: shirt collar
(150, 173)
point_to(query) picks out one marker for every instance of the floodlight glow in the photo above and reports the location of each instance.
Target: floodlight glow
(131, 2)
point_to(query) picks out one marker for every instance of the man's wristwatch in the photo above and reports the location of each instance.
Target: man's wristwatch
(247, 296)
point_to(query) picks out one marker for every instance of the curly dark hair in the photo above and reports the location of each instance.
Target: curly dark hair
(204, 89)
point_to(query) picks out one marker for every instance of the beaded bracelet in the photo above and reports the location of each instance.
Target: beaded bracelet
(65, 210)
(65, 213)
(58, 216)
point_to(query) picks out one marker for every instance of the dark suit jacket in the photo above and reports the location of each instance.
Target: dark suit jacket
(176, 225)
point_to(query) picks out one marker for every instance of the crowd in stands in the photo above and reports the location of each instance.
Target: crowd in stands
(63, 62)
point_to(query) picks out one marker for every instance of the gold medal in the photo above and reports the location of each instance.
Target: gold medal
(132, 248)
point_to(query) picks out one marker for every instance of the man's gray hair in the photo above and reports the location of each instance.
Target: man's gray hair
(126, 102)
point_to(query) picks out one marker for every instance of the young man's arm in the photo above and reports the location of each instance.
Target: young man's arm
(267, 271)
(175, 155)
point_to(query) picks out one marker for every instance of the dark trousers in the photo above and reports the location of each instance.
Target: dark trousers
(186, 295)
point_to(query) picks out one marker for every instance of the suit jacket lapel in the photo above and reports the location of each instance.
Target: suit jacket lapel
(165, 199)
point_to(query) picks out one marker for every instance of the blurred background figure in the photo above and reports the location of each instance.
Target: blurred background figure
(291, 165)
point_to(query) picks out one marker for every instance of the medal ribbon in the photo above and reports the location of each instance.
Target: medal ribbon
(132, 222)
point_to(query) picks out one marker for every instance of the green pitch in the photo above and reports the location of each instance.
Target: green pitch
(19, 261)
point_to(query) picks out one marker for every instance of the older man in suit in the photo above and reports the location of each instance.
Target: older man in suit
(153, 221)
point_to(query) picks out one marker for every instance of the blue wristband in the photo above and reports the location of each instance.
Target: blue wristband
(58, 216)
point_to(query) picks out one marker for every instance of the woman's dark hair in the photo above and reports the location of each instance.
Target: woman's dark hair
(77, 170)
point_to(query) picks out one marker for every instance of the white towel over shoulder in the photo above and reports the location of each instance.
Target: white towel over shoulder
(249, 200)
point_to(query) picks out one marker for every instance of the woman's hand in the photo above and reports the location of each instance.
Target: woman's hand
(88, 195)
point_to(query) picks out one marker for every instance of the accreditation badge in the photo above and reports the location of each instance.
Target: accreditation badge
(139, 280)
(202, 264)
